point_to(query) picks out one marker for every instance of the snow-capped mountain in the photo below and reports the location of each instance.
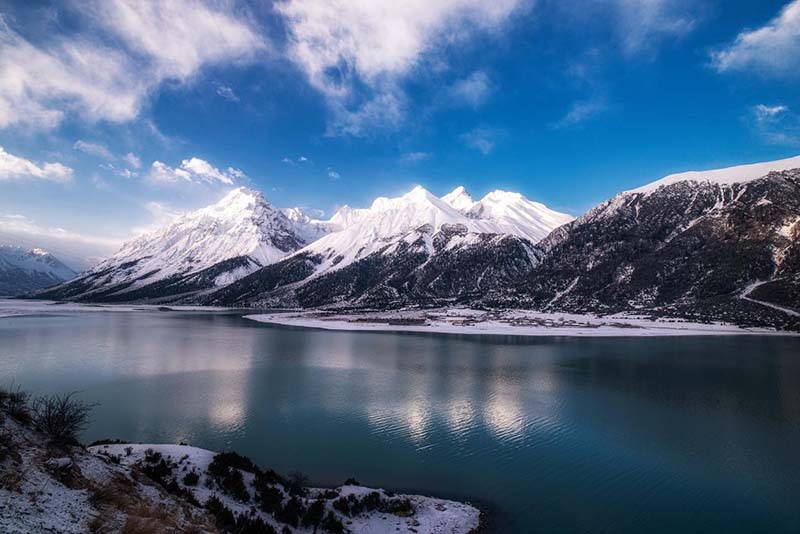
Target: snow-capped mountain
(459, 199)
(410, 248)
(210, 247)
(517, 215)
(308, 228)
(23, 270)
(387, 220)
(717, 245)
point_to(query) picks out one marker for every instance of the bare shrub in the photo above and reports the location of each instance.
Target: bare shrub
(14, 402)
(61, 417)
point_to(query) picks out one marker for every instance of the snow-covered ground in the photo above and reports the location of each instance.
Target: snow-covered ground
(509, 322)
(17, 307)
(430, 515)
(46, 487)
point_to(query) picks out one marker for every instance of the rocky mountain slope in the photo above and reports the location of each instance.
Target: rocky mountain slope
(198, 251)
(720, 245)
(23, 270)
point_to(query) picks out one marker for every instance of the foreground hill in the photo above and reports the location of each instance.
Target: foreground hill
(52, 484)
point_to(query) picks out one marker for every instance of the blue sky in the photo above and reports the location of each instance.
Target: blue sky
(117, 114)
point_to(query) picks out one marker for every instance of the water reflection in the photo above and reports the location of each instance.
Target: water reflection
(557, 435)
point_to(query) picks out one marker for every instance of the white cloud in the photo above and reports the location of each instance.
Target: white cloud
(16, 168)
(357, 52)
(772, 49)
(776, 125)
(473, 90)
(41, 83)
(133, 160)
(414, 157)
(124, 172)
(643, 24)
(637, 27)
(482, 139)
(161, 214)
(193, 170)
(93, 149)
(226, 92)
(301, 160)
(333, 175)
(78, 250)
(581, 111)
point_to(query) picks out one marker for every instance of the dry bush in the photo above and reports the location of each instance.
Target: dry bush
(147, 518)
(14, 402)
(61, 417)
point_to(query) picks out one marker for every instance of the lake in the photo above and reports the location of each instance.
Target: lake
(697, 434)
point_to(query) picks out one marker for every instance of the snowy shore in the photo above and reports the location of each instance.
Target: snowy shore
(508, 322)
(121, 487)
(427, 514)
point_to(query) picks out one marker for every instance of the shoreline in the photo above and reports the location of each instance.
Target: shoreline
(459, 321)
(446, 321)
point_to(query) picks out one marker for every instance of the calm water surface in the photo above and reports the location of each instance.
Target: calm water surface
(551, 435)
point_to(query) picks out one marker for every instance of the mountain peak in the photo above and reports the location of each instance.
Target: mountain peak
(460, 199)
(242, 196)
(518, 215)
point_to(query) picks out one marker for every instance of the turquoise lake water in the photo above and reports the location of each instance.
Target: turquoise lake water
(548, 434)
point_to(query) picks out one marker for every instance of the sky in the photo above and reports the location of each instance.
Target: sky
(115, 115)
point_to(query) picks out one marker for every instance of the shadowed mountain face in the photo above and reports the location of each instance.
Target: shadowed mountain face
(714, 251)
(23, 270)
(422, 267)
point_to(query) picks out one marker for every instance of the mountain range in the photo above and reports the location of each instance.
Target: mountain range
(23, 270)
(714, 246)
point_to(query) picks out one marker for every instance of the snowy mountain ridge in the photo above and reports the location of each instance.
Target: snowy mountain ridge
(24, 270)
(243, 223)
(726, 176)
(391, 219)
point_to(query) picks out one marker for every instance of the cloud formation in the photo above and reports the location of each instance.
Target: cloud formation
(581, 111)
(41, 83)
(483, 139)
(776, 125)
(226, 92)
(78, 250)
(473, 91)
(773, 49)
(17, 168)
(411, 158)
(193, 171)
(356, 53)
(93, 149)
(641, 25)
